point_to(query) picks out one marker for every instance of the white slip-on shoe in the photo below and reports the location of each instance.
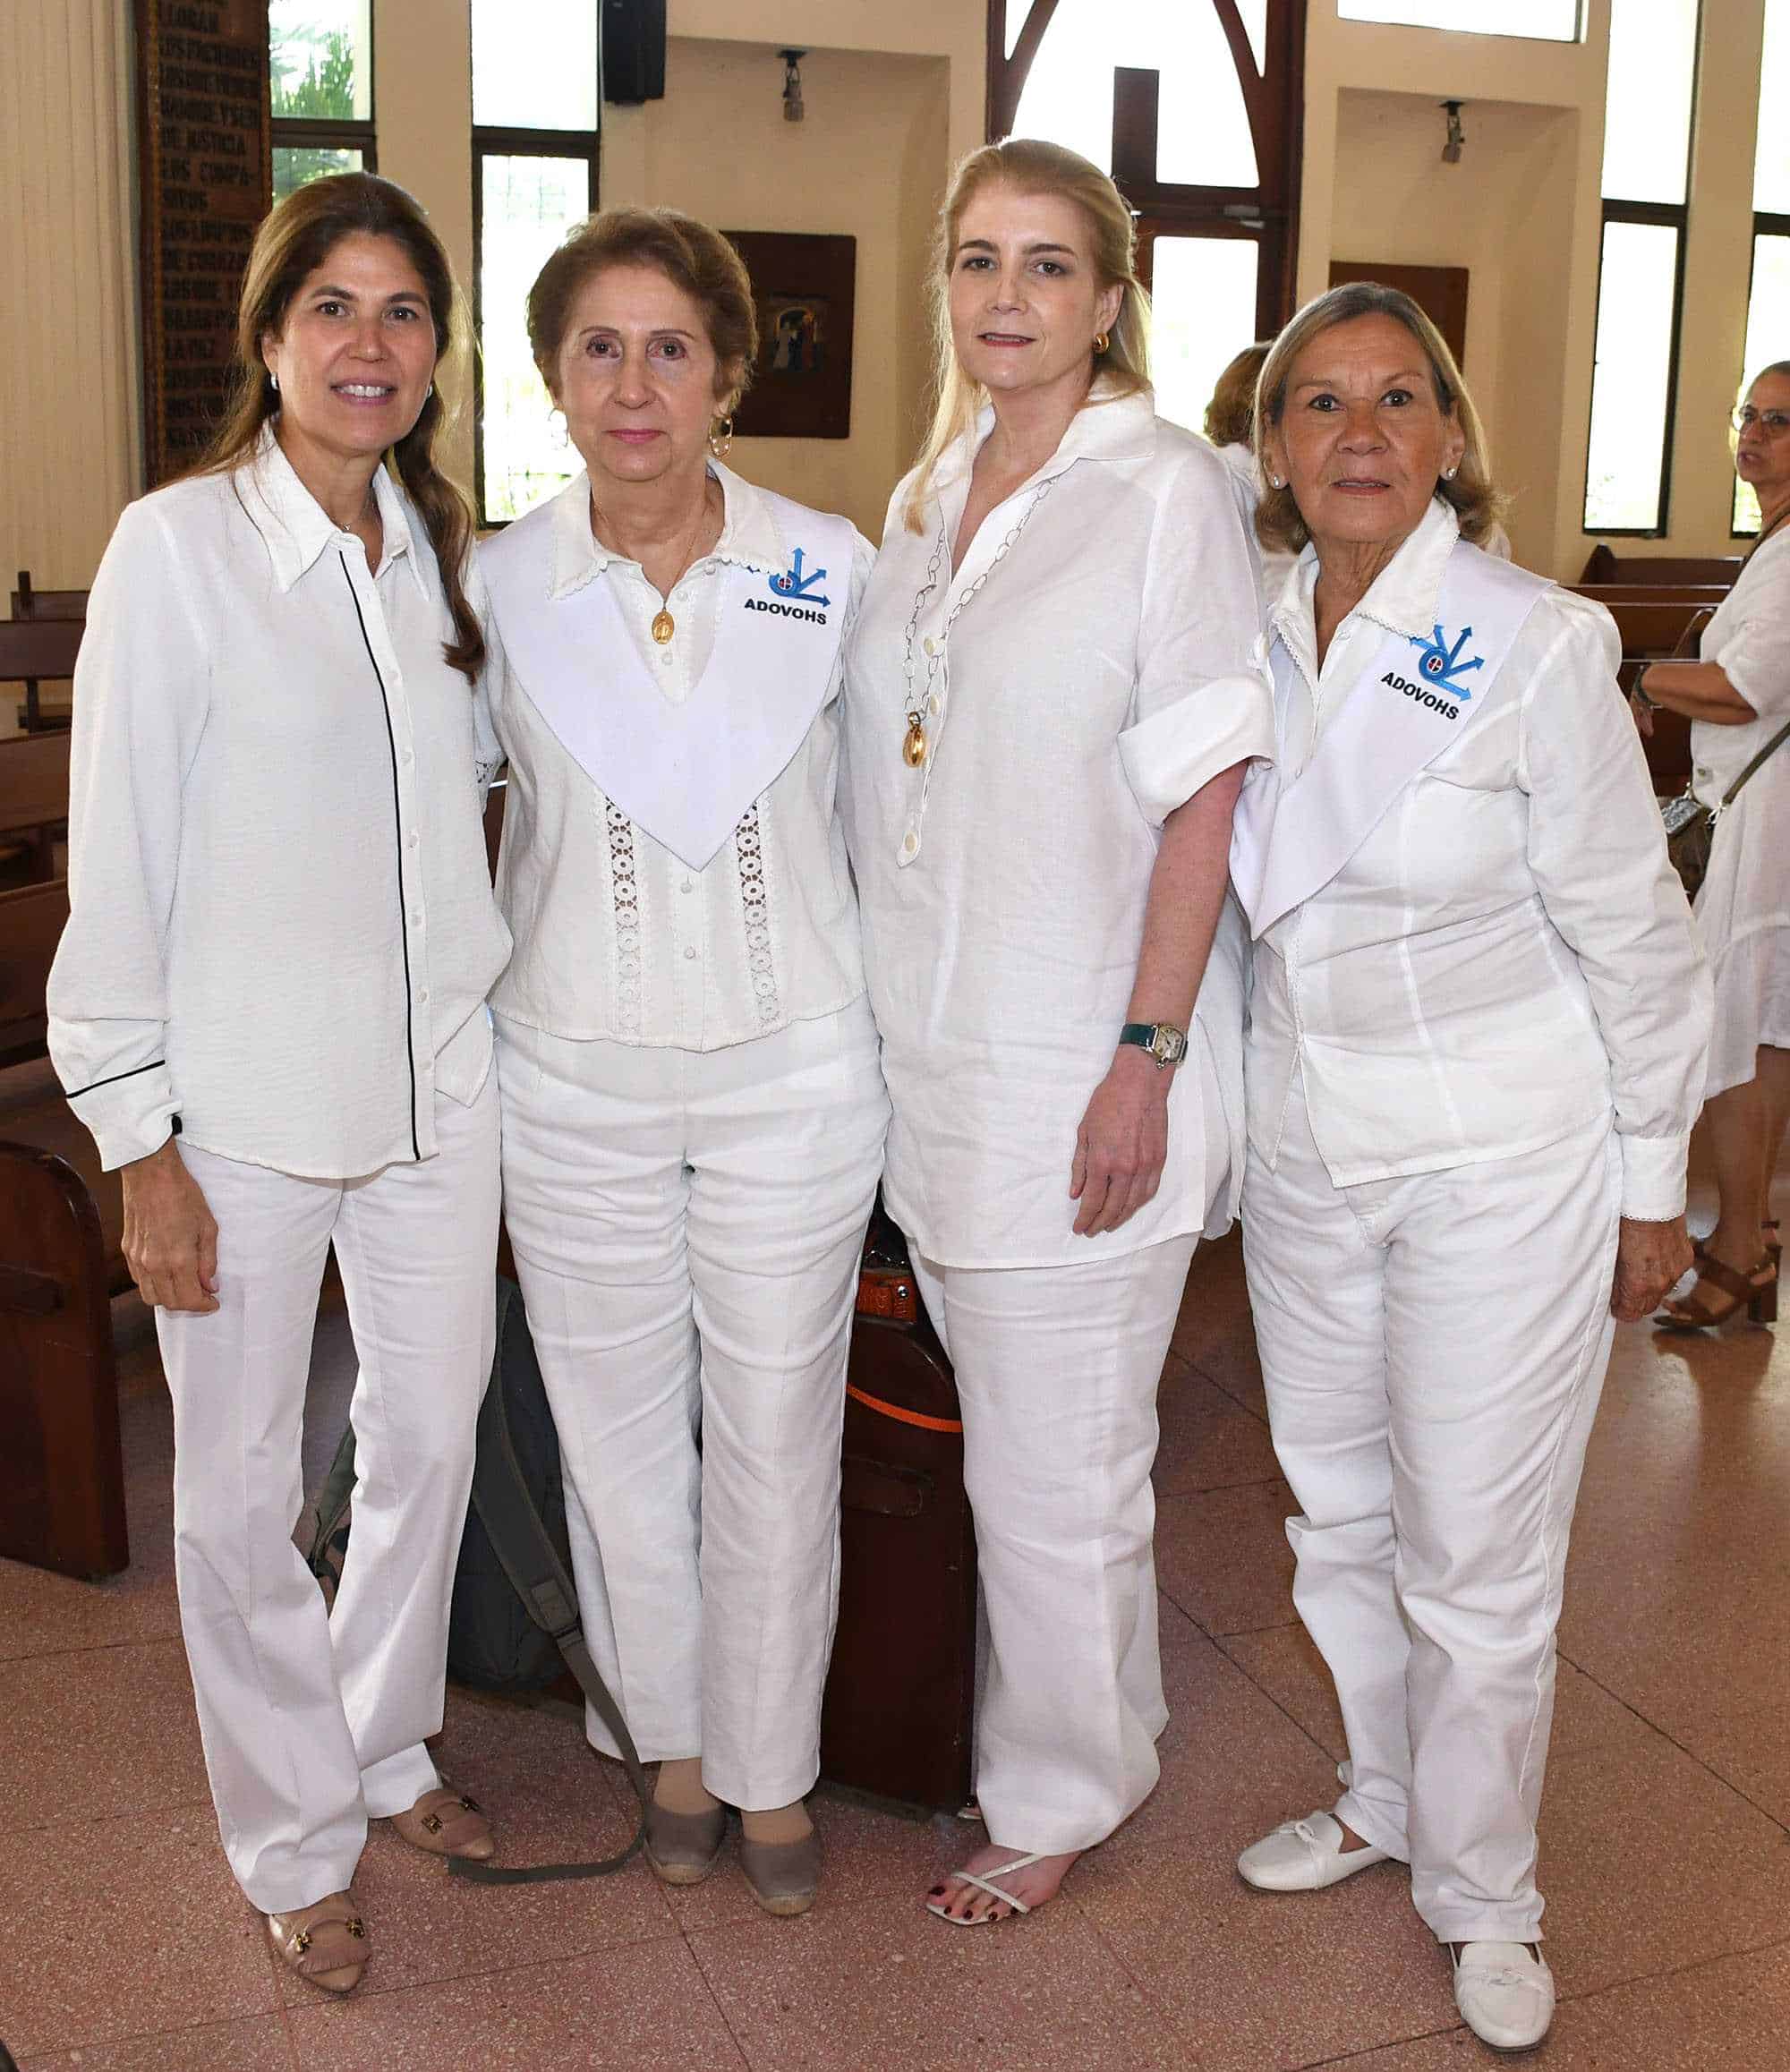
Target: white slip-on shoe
(1304, 1856)
(1504, 1991)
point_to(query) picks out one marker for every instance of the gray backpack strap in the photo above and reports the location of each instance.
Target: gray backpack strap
(528, 1557)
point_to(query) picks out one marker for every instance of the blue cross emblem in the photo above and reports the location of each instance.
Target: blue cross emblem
(1439, 665)
(792, 583)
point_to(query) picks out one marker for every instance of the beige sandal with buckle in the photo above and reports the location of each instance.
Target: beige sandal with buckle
(325, 1943)
(446, 1823)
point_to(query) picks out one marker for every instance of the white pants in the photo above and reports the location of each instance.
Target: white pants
(314, 1721)
(686, 1228)
(1057, 1368)
(1434, 1349)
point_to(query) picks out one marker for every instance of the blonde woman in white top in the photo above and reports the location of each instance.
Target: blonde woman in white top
(1478, 1022)
(268, 1008)
(1049, 705)
(1737, 697)
(693, 1113)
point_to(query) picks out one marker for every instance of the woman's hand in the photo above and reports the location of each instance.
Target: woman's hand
(1122, 1143)
(1643, 714)
(1650, 1257)
(170, 1235)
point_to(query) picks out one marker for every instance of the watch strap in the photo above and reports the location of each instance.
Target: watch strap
(1145, 1034)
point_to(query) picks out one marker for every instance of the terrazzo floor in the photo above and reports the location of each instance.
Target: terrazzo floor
(124, 1947)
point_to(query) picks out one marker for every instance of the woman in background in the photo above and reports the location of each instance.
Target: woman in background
(1738, 698)
(1231, 426)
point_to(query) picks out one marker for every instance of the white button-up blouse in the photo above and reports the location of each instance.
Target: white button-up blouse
(281, 925)
(616, 937)
(1509, 954)
(1098, 675)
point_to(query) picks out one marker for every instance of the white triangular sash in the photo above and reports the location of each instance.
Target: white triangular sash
(687, 773)
(1414, 699)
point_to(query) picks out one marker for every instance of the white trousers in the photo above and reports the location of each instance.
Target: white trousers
(686, 1228)
(314, 1719)
(1057, 1369)
(1434, 1349)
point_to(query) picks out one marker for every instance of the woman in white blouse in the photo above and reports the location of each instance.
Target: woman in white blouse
(1049, 704)
(1737, 697)
(693, 1113)
(268, 1008)
(1479, 1016)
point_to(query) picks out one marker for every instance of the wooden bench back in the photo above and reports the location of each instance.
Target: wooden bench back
(33, 781)
(30, 602)
(32, 921)
(1606, 566)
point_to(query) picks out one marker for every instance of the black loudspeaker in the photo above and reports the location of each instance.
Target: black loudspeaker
(633, 51)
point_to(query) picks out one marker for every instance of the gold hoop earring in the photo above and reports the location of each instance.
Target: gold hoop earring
(1100, 343)
(720, 439)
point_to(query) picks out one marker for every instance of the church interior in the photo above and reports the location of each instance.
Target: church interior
(1591, 199)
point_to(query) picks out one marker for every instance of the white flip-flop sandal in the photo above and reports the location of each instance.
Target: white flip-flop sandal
(987, 1885)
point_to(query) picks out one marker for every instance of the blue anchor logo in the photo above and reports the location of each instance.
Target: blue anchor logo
(1439, 665)
(794, 584)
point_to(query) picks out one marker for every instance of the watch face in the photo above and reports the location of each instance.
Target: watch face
(1169, 1045)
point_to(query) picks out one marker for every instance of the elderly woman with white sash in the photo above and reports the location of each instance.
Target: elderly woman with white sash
(1478, 1020)
(692, 1109)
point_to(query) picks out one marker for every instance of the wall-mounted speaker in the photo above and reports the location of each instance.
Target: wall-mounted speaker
(633, 51)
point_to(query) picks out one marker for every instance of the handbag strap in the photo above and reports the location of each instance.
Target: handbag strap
(527, 1555)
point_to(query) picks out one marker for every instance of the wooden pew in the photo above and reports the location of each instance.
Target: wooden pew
(35, 651)
(61, 1221)
(1668, 747)
(1606, 566)
(30, 602)
(34, 798)
(1649, 626)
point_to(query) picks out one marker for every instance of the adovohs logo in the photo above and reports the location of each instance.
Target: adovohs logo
(797, 593)
(1440, 666)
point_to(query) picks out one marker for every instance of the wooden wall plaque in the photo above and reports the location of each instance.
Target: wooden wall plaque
(205, 135)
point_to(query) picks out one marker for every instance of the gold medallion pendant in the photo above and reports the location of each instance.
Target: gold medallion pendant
(663, 628)
(914, 745)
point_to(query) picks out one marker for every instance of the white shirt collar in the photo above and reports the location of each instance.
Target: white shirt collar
(1106, 427)
(296, 528)
(750, 534)
(1401, 597)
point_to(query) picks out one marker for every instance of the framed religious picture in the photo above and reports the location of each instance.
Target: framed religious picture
(801, 382)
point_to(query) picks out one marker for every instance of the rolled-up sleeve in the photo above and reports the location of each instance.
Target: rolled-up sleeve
(1200, 705)
(1598, 853)
(140, 687)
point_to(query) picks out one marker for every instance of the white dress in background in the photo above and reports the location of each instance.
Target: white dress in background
(1743, 908)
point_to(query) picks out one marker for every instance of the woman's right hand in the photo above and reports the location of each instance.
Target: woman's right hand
(170, 1235)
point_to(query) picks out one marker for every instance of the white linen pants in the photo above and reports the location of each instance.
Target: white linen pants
(686, 1228)
(1434, 1349)
(1057, 1369)
(313, 1718)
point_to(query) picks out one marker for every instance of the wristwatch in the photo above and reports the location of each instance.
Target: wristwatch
(1639, 693)
(1167, 1043)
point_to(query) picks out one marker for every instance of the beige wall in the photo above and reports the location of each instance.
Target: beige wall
(895, 91)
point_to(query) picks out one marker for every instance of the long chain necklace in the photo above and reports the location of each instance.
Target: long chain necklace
(663, 624)
(915, 745)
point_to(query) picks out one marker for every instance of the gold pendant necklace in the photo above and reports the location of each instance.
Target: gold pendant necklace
(913, 743)
(663, 626)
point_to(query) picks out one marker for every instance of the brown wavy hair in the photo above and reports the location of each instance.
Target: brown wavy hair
(1478, 502)
(690, 255)
(294, 239)
(1030, 165)
(1231, 415)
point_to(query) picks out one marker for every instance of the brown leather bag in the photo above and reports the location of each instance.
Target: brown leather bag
(897, 1717)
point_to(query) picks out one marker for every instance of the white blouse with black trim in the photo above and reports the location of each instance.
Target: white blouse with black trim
(281, 924)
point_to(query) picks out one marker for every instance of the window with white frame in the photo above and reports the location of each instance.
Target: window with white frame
(1641, 283)
(534, 178)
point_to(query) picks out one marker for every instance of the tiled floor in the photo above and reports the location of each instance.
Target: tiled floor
(124, 1947)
